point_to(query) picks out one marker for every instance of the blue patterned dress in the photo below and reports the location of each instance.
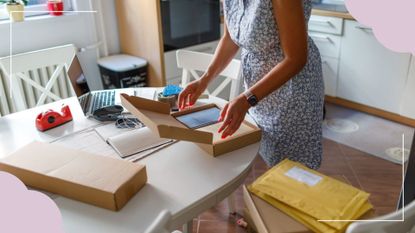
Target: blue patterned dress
(290, 117)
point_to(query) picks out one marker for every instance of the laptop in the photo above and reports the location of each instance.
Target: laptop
(93, 100)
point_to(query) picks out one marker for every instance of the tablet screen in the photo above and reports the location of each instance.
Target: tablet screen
(200, 118)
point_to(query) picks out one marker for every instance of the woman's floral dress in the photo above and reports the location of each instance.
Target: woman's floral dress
(291, 117)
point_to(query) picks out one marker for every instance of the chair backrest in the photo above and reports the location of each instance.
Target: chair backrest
(191, 62)
(33, 77)
(159, 225)
(390, 223)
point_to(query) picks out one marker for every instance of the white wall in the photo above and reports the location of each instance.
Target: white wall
(111, 26)
(76, 28)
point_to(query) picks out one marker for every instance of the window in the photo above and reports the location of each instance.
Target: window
(34, 8)
(36, 2)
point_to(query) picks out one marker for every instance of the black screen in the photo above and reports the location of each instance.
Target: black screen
(409, 181)
(189, 22)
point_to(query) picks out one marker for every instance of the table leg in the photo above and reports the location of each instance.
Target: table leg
(232, 203)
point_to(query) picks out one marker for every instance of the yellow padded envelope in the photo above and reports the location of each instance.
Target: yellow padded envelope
(308, 196)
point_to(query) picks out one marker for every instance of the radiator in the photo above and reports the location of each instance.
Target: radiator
(62, 88)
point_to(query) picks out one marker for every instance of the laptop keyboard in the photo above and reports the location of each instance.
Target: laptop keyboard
(102, 99)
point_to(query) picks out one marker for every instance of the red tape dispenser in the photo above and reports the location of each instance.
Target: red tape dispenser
(51, 119)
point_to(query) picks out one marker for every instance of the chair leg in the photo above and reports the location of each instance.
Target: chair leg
(188, 227)
(232, 203)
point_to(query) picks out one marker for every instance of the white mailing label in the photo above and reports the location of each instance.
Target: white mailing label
(303, 176)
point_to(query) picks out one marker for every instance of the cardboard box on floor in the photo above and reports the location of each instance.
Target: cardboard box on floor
(157, 116)
(268, 219)
(101, 181)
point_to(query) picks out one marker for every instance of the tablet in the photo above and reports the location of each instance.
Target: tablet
(200, 118)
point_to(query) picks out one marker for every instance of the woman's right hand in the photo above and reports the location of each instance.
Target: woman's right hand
(191, 93)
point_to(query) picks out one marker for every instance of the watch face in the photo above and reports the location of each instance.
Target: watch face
(252, 100)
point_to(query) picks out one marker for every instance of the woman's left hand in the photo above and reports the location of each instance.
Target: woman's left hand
(232, 115)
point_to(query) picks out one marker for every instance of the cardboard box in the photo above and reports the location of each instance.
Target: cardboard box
(157, 116)
(268, 219)
(101, 181)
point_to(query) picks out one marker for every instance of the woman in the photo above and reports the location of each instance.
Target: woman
(281, 68)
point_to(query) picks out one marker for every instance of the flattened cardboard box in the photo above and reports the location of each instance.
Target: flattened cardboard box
(157, 117)
(101, 181)
(268, 219)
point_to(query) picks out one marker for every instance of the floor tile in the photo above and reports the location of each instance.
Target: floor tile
(334, 163)
(381, 178)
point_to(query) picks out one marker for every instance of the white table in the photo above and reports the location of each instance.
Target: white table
(182, 178)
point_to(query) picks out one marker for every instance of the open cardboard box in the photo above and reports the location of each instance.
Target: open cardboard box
(101, 181)
(157, 116)
(265, 218)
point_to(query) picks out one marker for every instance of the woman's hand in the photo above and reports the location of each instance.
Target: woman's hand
(191, 93)
(232, 115)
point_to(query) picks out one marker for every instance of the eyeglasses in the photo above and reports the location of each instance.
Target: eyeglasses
(128, 123)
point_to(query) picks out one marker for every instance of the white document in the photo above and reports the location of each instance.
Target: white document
(88, 141)
(147, 93)
(136, 141)
(144, 154)
(109, 130)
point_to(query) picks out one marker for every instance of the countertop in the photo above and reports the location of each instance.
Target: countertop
(331, 10)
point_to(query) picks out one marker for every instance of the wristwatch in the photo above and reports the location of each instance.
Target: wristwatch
(251, 98)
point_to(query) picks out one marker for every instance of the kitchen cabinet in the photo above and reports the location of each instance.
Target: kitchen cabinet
(325, 24)
(326, 33)
(330, 68)
(370, 74)
(408, 100)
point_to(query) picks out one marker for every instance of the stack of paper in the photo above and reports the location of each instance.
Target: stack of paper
(136, 141)
(319, 202)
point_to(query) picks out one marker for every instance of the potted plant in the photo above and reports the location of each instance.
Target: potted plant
(15, 8)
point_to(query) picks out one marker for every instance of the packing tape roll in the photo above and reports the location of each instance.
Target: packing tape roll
(167, 99)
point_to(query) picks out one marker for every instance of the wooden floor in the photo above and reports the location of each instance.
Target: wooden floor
(379, 177)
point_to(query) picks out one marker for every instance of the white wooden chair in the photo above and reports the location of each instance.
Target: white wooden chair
(192, 62)
(383, 224)
(25, 73)
(159, 225)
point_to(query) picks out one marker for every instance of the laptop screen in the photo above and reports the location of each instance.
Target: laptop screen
(76, 75)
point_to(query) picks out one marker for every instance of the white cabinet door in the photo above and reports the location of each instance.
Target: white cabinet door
(330, 66)
(369, 73)
(408, 101)
(327, 44)
(325, 24)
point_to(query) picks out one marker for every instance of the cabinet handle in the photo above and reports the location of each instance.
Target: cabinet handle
(319, 21)
(322, 38)
(364, 28)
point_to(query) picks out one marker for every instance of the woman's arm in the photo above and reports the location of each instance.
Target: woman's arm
(224, 53)
(289, 15)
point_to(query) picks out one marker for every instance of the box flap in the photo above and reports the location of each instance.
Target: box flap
(76, 174)
(146, 104)
(79, 167)
(156, 116)
(269, 219)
